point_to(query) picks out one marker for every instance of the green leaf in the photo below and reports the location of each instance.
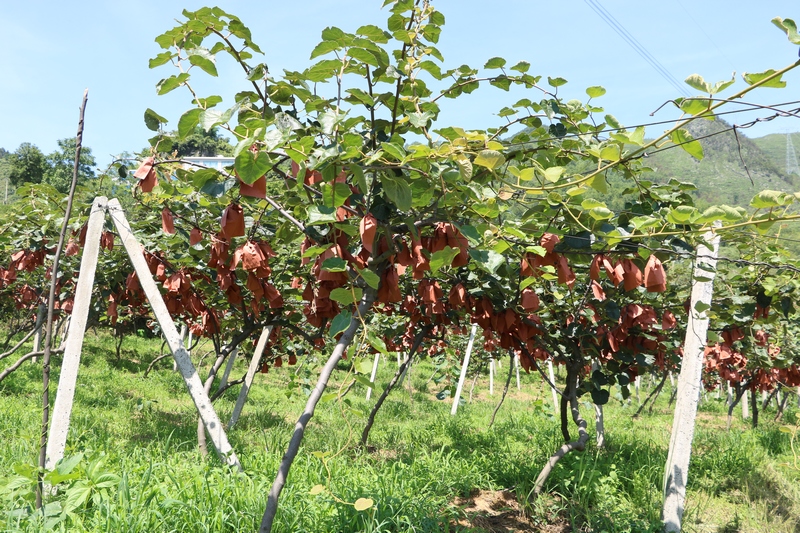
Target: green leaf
(324, 47)
(610, 152)
(598, 183)
(595, 91)
(346, 296)
(601, 213)
(600, 396)
(340, 322)
(395, 150)
(202, 58)
(76, 497)
(362, 97)
(442, 258)
(362, 504)
(321, 214)
(488, 260)
(768, 199)
(173, 82)
(645, 222)
(373, 33)
(701, 307)
(68, 464)
(495, 62)
(591, 203)
(681, 214)
(490, 159)
(334, 264)
(775, 83)
(160, 59)
(683, 139)
(377, 343)
(250, 167)
(789, 28)
(695, 106)
(464, 167)
(314, 251)
(370, 277)
(188, 122)
(696, 81)
(398, 191)
(522, 66)
(556, 82)
(153, 120)
(419, 120)
(359, 178)
(363, 380)
(336, 194)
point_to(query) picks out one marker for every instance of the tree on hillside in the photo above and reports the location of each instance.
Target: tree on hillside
(28, 165)
(201, 143)
(61, 163)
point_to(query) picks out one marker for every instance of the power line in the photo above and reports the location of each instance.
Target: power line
(751, 109)
(700, 27)
(609, 19)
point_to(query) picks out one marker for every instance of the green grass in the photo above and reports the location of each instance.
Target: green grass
(141, 435)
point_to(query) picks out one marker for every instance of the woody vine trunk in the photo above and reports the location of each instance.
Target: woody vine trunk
(569, 400)
(308, 412)
(51, 306)
(395, 379)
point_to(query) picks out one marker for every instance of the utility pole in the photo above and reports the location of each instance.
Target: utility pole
(791, 157)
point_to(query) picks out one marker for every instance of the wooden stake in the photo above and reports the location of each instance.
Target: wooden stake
(54, 276)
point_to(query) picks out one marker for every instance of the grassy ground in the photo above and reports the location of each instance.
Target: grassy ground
(138, 469)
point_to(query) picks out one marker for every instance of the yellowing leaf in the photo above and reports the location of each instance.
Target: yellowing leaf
(317, 489)
(789, 28)
(490, 159)
(553, 174)
(758, 77)
(610, 152)
(362, 504)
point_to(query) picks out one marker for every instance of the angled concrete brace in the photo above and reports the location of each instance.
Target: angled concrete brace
(77, 329)
(185, 367)
(65, 394)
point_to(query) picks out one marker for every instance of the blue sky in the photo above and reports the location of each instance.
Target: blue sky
(51, 51)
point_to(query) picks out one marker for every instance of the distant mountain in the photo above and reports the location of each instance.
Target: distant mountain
(775, 147)
(721, 176)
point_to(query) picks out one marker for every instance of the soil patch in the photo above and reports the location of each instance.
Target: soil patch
(498, 511)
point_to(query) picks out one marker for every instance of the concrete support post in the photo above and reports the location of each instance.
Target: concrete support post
(193, 383)
(689, 385)
(463, 376)
(65, 394)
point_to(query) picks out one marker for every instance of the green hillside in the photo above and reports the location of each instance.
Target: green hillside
(721, 176)
(774, 147)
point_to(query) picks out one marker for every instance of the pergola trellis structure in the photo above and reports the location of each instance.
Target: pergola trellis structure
(77, 328)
